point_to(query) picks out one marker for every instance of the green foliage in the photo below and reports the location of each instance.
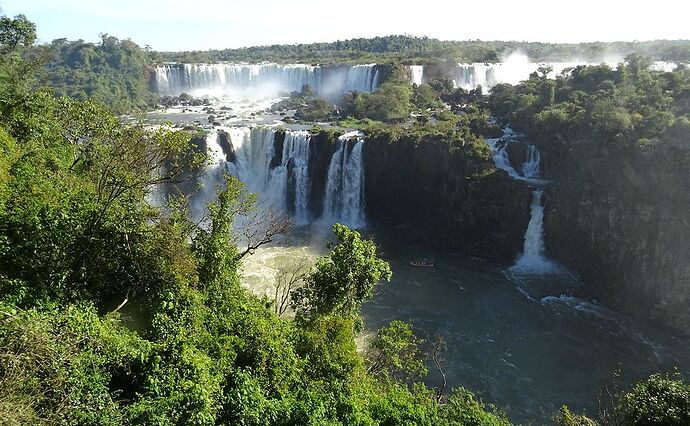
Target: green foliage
(307, 105)
(16, 33)
(425, 97)
(315, 110)
(391, 102)
(566, 418)
(59, 366)
(342, 280)
(462, 409)
(113, 72)
(397, 353)
(598, 103)
(659, 400)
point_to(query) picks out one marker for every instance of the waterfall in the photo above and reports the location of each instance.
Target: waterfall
(514, 70)
(280, 172)
(291, 177)
(282, 178)
(531, 166)
(263, 80)
(344, 200)
(530, 170)
(254, 152)
(210, 178)
(417, 74)
(532, 259)
(500, 157)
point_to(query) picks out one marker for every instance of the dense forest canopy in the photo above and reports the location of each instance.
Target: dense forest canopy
(112, 72)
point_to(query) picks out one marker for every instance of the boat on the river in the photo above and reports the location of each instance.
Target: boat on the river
(423, 263)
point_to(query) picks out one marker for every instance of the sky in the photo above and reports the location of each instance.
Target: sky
(168, 25)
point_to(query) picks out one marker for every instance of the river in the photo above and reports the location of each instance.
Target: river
(525, 343)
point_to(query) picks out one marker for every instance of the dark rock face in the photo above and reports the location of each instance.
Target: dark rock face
(517, 154)
(321, 147)
(278, 144)
(440, 69)
(226, 145)
(622, 221)
(446, 198)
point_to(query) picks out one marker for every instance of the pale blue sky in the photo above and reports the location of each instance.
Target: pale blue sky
(205, 24)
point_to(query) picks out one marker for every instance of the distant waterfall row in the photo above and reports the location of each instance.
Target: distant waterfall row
(280, 166)
(470, 76)
(269, 79)
(264, 79)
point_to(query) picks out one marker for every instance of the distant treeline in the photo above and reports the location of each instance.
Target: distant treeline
(424, 49)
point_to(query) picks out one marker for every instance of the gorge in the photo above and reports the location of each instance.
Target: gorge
(424, 197)
(345, 177)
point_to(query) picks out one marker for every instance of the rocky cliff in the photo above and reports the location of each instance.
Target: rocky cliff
(620, 217)
(444, 195)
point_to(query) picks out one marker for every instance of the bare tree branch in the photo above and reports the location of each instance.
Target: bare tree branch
(121, 305)
(438, 346)
(290, 277)
(259, 228)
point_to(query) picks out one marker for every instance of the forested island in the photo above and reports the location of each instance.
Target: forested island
(119, 308)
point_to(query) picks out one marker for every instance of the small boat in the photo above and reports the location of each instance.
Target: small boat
(423, 263)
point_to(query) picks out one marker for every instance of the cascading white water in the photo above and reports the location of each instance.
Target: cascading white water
(532, 259)
(530, 169)
(344, 200)
(211, 177)
(254, 151)
(663, 66)
(263, 80)
(531, 166)
(292, 175)
(469, 76)
(417, 74)
(285, 185)
(282, 177)
(500, 157)
(518, 68)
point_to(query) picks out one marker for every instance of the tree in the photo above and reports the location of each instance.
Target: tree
(566, 418)
(638, 65)
(438, 345)
(425, 97)
(343, 280)
(462, 409)
(15, 33)
(659, 400)
(391, 102)
(396, 353)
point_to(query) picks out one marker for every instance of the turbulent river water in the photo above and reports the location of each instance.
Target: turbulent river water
(525, 343)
